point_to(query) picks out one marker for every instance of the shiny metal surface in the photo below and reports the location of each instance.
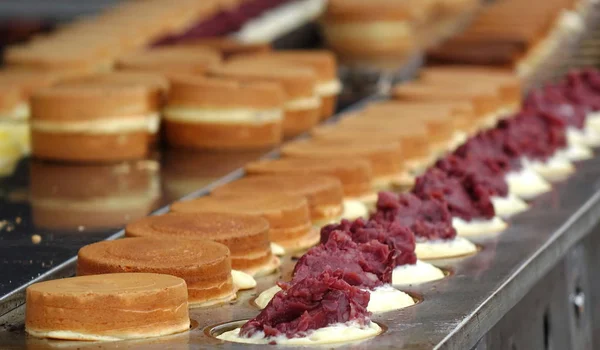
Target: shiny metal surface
(455, 312)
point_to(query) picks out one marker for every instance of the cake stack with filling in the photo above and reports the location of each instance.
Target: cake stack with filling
(302, 106)
(388, 31)
(322, 62)
(93, 123)
(223, 114)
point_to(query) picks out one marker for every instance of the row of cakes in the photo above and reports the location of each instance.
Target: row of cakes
(19, 85)
(337, 285)
(390, 31)
(501, 35)
(92, 44)
(201, 101)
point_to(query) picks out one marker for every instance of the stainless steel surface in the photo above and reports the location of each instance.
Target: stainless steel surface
(455, 312)
(558, 312)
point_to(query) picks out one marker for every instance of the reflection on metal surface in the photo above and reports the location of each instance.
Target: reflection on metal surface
(184, 172)
(77, 198)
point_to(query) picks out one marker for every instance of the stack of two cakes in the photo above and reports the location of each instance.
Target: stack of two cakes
(294, 205)
(92, 123)
(102, 118)
(216, 254)
(251, 101)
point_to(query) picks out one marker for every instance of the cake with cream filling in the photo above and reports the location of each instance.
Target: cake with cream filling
(107, 307)
(216, 113)
(325, 66)
(302, 106)
(246, 236)
(204, 265)
(156, 84)
(93, 123)
(386, 30)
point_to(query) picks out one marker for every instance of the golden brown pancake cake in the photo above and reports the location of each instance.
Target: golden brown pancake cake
(355, 175)
(385, 157)
(107, 307)
(288, 215)
(413, 136)
(302, 107)
(323, 193)
(204, 265)
(246, 236)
